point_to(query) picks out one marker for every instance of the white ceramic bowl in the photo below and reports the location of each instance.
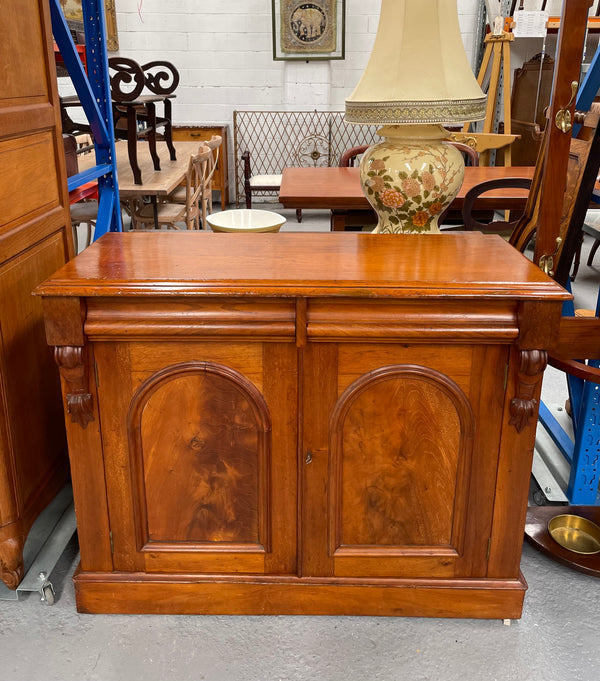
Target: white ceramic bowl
(245, 220)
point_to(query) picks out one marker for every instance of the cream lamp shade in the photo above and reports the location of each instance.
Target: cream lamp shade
(418, 71)
(417, 77)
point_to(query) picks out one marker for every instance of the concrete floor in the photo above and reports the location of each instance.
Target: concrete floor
(557, 638)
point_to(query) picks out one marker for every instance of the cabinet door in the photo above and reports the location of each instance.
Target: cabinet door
(405, 441)
(200, 445)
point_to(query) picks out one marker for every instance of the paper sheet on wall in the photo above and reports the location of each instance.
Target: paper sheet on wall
(529, 24)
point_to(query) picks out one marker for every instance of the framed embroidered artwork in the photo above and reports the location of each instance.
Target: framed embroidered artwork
(308, 29)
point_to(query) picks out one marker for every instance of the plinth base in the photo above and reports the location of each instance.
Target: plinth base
(137, 593)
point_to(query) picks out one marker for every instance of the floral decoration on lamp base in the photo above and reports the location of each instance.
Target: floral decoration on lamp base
(411, 177)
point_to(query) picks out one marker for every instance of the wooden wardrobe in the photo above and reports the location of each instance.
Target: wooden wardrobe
(35, 240)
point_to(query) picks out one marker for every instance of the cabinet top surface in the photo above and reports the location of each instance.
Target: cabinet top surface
(302, 264)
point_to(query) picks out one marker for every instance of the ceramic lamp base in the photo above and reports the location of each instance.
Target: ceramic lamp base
(411, 177)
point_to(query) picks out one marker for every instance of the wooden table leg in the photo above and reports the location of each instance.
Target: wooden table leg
(154, 201)
(338, 220)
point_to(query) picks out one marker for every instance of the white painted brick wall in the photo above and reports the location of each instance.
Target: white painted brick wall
(223, 52)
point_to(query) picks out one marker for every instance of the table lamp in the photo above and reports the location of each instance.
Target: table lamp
(417, 78)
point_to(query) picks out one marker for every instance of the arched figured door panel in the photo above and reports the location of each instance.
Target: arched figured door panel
(200, 445)
(400, 452)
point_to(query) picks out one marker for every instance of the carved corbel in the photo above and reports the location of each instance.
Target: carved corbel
(73, 370)
(524, 406)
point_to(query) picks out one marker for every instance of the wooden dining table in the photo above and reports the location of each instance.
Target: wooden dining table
(155, 183)
(339, 190)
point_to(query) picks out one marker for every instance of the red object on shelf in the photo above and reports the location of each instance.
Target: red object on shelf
(89, 190)
(80, 51)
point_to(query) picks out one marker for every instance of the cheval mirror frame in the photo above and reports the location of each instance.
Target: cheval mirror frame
(577, 337)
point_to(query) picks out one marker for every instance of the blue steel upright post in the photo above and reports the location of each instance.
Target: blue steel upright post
(583, 487)
(93, 90)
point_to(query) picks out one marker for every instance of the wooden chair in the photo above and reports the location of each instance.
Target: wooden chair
(452, 219)
(591, 225)
(581, 173)
(135, 114)
(131, 107)
(355, 220)
(214, 144)
(83, 213)
(204, 168)
(595, 233)
(582, 170)
(350, 156)
(171, 213)
(503, 227)
(269, 184)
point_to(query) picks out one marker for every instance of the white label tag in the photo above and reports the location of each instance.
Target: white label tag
(529, 24)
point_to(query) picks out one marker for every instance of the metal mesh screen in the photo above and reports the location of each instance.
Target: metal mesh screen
(277, 139)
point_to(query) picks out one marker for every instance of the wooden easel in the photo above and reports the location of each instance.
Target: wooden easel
(497, 50)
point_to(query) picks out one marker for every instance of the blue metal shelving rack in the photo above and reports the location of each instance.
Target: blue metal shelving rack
(582, 453)
(93, 90)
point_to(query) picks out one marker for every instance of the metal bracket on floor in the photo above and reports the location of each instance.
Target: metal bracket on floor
(45, 543)
(550, 467)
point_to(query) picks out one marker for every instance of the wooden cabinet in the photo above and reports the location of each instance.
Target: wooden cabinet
(301, 423)
(35, 240)
(205, 132)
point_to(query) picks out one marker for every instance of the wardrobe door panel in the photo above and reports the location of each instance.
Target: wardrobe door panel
(35, 240)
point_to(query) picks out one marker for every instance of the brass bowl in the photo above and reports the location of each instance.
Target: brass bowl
(575, 533)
